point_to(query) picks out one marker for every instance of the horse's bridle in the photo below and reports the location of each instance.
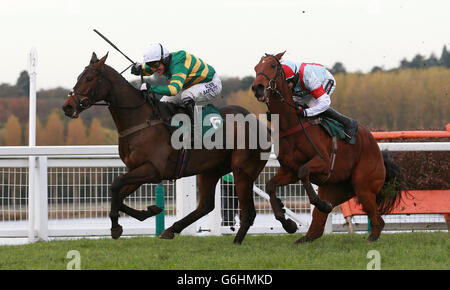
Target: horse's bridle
(282, 99)
(272, 81)
(85, 100)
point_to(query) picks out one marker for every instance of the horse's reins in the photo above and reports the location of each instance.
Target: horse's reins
(283, 100)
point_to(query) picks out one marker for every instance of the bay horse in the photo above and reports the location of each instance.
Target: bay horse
(360, 169)
(145, 148)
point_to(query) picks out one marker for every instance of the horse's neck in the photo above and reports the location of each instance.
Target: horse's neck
(123, 94)
(286, 111)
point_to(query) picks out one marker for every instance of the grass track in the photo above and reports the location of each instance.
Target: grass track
(265, 252)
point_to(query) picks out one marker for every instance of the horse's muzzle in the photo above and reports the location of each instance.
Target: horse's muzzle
(259, 91)
(70, 111)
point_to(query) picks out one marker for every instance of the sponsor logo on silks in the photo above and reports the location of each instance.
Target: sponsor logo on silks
(216, 122)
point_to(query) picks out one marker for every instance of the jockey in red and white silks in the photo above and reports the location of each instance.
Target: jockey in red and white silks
(310, 81)
(312, 85)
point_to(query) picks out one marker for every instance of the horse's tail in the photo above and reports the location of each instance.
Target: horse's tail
(391, 192)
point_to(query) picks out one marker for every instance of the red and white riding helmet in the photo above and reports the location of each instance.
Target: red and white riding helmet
(289, 68)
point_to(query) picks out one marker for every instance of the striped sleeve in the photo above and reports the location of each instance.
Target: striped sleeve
(179, 70)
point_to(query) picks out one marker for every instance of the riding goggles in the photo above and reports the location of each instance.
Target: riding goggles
(153, 64)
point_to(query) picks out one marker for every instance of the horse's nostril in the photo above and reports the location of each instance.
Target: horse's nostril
(68, 110)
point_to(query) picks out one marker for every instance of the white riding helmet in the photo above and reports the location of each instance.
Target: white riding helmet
(155, 52)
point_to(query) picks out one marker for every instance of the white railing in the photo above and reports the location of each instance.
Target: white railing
(68, 196)
(52, 191)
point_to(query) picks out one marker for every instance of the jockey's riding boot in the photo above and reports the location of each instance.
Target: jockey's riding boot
(349, 123)
(189, 104)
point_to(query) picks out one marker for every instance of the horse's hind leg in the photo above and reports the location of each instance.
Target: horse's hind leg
(282, 177)
(367, 183)
(336, 194)
(206, 188)
(125, 185)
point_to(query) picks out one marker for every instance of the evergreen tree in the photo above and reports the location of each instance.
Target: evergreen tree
(445, 57)
(338, 67)
(418, 61)
(404, 63)
(431, 61)
(23, 83)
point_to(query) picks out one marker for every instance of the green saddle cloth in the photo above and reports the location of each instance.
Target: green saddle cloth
(211, 120)
(334, 128)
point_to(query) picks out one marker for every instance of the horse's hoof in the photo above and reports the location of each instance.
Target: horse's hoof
(168, 235)
(372, 238)
(303, 240)
(154, 210)
(290, 226)
(116, 232)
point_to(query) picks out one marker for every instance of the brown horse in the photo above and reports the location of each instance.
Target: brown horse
(358, 169)
(145, 148)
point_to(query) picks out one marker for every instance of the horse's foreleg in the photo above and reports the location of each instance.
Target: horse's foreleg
(206, 189)
(315, 165)
(125, 185)
(282, 177)
(140, 215)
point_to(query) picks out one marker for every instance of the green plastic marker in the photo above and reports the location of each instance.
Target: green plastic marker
(159, 192)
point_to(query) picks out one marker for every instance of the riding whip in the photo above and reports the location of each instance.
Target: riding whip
(115, 47)
(112, 44)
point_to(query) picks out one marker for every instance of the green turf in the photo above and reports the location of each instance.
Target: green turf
(258, 252)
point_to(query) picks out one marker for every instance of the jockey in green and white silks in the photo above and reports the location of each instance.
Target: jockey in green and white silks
(191, 80)
(312, 84)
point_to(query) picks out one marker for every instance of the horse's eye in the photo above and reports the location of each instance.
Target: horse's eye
(89, 79)
(273, 65)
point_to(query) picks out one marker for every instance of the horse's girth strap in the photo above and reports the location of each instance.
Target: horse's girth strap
(333, 157)
(148, 123)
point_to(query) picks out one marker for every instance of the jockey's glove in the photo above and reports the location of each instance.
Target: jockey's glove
(301, 112)
(136, 69)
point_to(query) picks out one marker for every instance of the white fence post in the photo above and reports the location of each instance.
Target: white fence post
(31, 198)
(41, 194)
(32, 63)
(186, 201)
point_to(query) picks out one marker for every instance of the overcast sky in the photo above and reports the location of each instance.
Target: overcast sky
(230, 35)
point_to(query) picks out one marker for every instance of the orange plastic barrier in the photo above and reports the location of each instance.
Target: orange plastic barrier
(414, 202)
(413, 134)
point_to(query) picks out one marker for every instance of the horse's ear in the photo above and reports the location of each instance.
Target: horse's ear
(94, 58)
(102, 60)
(280, 55)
